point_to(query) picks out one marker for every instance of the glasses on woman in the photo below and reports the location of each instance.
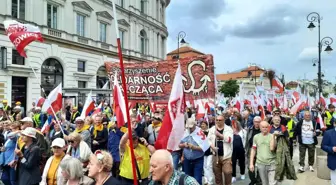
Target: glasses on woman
(71, 141)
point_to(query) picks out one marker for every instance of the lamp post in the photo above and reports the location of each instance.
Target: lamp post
(325, 41)
(180, 39)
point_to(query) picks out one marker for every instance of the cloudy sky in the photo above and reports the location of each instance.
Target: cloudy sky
(272, 34)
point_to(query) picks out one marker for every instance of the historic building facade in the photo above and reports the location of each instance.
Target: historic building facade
(78, 37)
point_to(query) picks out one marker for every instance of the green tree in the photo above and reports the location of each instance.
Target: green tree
(334, 88)
(230, 88)
(325, 94)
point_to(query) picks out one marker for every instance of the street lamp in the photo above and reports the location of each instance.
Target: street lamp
(326, 41)
(180, 39)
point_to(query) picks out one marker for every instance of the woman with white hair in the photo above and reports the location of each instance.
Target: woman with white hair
(100, 168)
(72, 172)
(78, 148)
(52, 174)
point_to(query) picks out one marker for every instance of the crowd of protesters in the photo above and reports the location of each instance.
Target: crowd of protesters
(89, 150)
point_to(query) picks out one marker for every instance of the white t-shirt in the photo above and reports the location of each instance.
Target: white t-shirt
(307, 132)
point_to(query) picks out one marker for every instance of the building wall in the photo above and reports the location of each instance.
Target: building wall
(67, 47)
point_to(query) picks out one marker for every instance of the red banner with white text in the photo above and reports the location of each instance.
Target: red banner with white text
(152, 81)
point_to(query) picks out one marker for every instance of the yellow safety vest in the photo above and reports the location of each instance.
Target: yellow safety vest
(74, 116)
(290, 128)
(6, 108)
(107, 111)
(37, 119)
(329, 117)
(142, 156)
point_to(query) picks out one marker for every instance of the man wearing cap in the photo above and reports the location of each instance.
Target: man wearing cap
(276, 112)
(83, 130)
(6, 107)
(193, 146)
(75, 113)
(17, 115)
(18, 103)
(329, 115)
(28, 157)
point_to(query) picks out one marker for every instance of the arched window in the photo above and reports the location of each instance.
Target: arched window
(143, 42)
(51, 74)
(102, 77)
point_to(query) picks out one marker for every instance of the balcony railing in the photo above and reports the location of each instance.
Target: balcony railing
(105, 46)
(83, 40)
(54, 33)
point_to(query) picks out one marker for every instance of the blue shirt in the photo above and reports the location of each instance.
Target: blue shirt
(113, 143)
(189, 153)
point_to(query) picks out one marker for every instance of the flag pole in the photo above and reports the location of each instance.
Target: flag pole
(135, 182)
(46, 99)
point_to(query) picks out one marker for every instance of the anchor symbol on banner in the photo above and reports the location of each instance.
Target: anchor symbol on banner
(205, 79)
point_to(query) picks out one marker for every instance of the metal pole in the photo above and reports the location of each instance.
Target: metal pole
(319, 57)
(180, 36)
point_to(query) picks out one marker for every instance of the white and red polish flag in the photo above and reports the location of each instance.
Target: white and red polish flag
(39, 102)
(54, 101)
(172, 129)
(98, 109)
(320, 121)
(88, 106)
(119, 103)
(22, 34)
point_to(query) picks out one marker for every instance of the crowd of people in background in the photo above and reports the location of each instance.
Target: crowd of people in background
(89, 150)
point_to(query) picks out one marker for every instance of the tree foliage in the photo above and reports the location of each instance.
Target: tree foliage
(230, 88)
(334, 88)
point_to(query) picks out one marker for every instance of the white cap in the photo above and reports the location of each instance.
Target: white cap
(79, 119)
(190, 123)
(37, 108)
(58, 142)
(17, 107)
(27, 119)
(30, 132)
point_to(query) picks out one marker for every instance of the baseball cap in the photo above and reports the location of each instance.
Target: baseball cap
(79, 119)
(30, 132)
(190, 123)
(27, 119)
(58, 142)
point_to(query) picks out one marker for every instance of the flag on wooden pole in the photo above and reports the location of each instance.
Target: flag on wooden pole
(135, 182)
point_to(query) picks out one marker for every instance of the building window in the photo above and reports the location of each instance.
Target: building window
(157, 45)
(81, 66)
(18, 9)
(80, 25)
(163, 51)
(162, 14)
(143, 6)
(52, 16)
(81, 84)
(121, 35)
(17, 58)
(122, 3)
(157, 10)
(143, 42)
(102, 32)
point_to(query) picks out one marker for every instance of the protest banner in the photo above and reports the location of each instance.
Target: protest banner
(152, 81)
